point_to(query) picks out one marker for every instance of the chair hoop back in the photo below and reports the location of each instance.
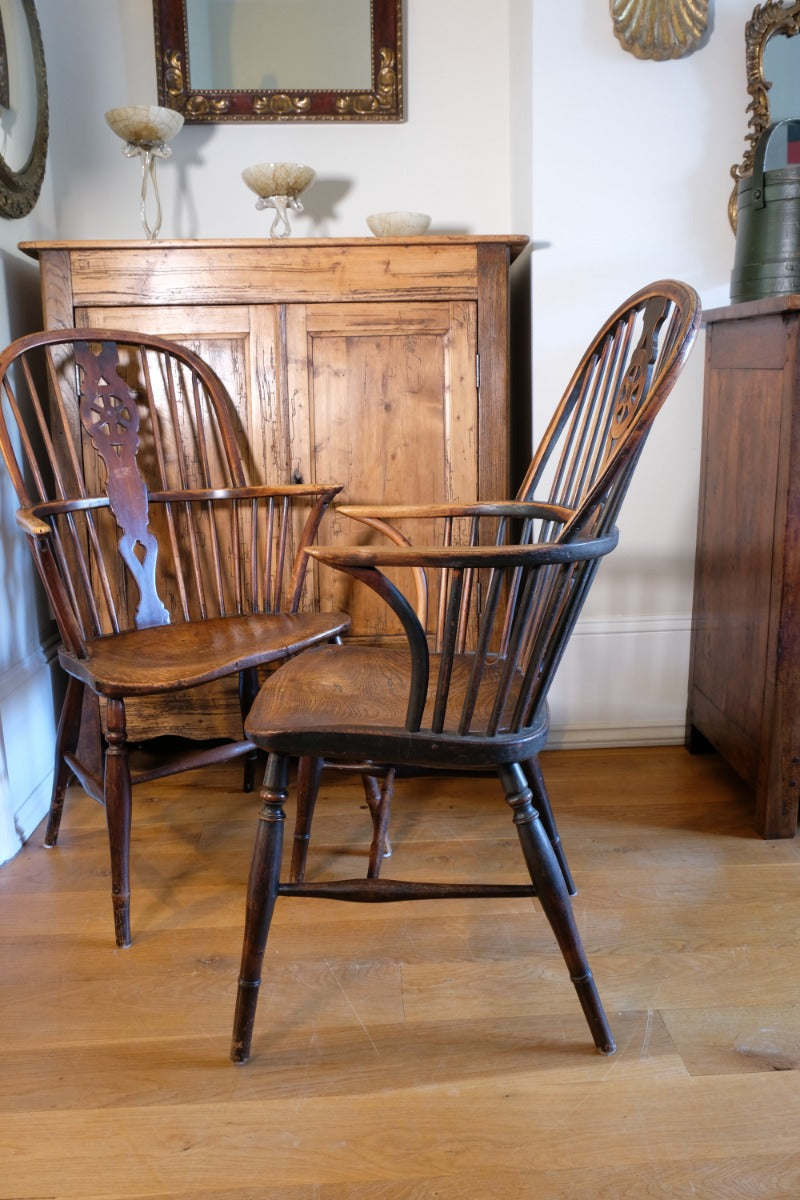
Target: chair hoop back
(127, 467)
(594, 439)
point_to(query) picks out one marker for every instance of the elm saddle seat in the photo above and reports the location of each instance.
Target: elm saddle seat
(468, 692)
(165, 569)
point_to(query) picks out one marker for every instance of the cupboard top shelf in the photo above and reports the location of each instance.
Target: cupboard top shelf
(272, 270)
(515, 242)
(765, 307)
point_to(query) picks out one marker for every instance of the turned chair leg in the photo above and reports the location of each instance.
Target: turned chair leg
(262, 891)
(551, 891)
(117, 794)
(69, 726)
(535, 778)
(248, 690)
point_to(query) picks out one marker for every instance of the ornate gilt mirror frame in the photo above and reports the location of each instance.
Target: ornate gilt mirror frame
(382, 102)
(19, 190)
(768, 20)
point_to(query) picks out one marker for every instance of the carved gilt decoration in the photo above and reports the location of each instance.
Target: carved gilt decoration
(659, 29)
(774, 17)
(199, 106)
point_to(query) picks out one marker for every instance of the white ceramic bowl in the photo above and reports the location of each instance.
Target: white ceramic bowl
(144, 124)
(398, 224)
(278, 179)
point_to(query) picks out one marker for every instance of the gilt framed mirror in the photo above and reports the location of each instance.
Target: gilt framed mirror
(773, 78)
(280, 60)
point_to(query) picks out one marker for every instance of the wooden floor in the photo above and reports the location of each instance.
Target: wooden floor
(410, 1051)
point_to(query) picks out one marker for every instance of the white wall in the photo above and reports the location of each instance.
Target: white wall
(631, 163)
(451, 158)
(522, 118)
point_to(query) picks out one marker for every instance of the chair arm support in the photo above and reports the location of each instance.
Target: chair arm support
(415, 633)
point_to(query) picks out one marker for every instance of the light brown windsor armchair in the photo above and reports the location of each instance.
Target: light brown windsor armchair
(165, 570)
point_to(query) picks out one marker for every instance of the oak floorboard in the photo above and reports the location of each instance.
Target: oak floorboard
(409, 1052)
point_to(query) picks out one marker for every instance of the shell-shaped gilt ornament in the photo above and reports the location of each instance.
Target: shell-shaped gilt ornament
(659, 29)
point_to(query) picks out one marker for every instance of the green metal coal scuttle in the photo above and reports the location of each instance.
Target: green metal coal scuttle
(767, 258)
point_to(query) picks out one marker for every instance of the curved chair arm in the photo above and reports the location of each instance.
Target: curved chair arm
(532, 554)
(380, 517)
(530, 509)
(369, 574)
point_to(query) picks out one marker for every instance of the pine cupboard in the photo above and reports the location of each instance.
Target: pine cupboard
(382, 364)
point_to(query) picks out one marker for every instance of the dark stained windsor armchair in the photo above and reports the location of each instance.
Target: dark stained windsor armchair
(165, 570)
(634, 359)
(508, 581)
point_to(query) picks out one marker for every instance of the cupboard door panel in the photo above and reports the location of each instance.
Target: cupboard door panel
(242, 344)
(385, 398)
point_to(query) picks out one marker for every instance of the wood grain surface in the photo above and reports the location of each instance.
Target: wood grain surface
(411, 1051)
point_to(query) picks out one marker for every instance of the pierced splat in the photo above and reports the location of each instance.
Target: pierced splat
(637, 379)
(110, 416)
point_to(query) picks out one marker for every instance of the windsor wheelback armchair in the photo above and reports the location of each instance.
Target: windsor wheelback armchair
(616, 391)
(164, 569)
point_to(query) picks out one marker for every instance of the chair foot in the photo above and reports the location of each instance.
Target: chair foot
(262, 892)
(593, 1011)
(551, 891)
(54, 820)
(244, 1020)
(122, 920)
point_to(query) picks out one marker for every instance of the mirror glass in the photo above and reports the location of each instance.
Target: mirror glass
(782, 72)
(18, 120)
(267, 44)
(260, 60)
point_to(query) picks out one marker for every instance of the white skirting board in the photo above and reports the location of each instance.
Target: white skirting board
(622, 683)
